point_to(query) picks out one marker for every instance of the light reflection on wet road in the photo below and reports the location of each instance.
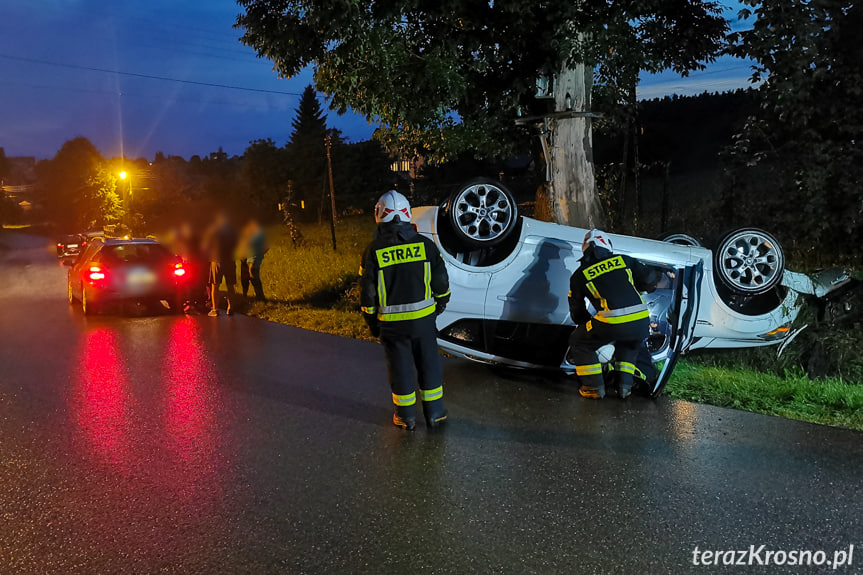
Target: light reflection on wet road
(230, 445)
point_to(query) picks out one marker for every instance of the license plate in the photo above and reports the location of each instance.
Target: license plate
(141, 279)
(72, 246)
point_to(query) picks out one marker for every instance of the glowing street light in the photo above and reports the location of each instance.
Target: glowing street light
(123, 175)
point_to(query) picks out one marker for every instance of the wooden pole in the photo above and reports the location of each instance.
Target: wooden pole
(332, 192)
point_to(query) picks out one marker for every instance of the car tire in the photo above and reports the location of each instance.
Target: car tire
(749, 261)
(482, 213)
(681, 239)
(87, 305)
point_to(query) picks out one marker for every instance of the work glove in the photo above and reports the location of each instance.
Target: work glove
(440, 303)
(373, 323)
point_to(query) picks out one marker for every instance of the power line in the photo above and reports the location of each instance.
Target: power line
(147, 76)
(133, 94)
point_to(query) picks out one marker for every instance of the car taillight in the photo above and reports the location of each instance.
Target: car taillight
(59, 245)
(179, 270)
(96, 273)
(83, 244)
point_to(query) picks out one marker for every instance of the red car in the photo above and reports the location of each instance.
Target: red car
(113, 270)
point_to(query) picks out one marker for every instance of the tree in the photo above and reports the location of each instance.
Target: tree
(65, 178)
(798, 162)
(265, 169)
(447, 77)
(99, 202)
(306, 151)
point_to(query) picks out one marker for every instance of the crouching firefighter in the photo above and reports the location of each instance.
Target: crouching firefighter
(613, 285)
(404, 286)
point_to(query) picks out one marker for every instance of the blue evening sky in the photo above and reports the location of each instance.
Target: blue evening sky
(47, 96)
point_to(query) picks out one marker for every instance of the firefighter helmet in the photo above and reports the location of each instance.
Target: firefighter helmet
(392, 205)
(597, 239)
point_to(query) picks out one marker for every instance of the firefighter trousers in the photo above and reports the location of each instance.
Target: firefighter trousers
(412, 357)
(590, 336)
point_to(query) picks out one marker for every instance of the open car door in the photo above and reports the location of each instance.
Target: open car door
(682, 317)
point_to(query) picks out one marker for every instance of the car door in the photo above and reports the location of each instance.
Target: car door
(682, 318)
(81, 262)
(533, 287)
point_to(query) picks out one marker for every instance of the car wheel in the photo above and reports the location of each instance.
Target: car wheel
(87, 306)
(482, 213)
(682, 240)
(749, 261)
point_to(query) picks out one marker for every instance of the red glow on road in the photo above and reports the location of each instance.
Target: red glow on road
(191, 405)
(102, 400)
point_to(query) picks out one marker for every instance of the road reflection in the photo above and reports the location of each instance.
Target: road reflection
(191, 409)
(147, 411)
(102, 400)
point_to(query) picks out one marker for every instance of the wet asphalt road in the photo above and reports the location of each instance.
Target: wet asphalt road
(199, 445)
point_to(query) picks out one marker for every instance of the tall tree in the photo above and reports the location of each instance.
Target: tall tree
(450, 76)
(265, 169)
(799, 160)
(65, 179)
(99, 203)
(307, 152)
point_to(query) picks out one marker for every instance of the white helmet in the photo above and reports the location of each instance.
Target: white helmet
(598, 239)
(392, 205)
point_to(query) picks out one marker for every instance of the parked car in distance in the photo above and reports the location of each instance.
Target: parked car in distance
(71, 245)
(115, 271)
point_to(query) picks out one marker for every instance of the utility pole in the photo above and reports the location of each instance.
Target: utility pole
(332, 192)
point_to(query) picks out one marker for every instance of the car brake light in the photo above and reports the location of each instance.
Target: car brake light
(96, 273)
(179, 270)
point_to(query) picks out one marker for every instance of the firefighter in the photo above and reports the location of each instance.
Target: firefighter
(613, 285)
(404, 286)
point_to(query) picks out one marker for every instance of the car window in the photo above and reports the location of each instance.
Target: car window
(134, 253)
(88, 253)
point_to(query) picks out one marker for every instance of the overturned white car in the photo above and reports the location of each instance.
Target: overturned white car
(510, 279)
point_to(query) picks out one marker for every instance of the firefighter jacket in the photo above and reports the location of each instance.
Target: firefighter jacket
(403, 275)
(613, 285)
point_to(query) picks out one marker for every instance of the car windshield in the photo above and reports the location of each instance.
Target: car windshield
(135, 253)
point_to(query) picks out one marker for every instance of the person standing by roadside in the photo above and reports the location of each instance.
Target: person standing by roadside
(253, 246)
(404, 286)
(220, 245)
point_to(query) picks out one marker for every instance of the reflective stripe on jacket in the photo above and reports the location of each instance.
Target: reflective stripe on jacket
(613, 285)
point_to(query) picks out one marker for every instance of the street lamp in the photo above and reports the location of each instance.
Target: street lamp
(123, 175)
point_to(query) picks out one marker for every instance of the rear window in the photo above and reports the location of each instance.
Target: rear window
(135, 253)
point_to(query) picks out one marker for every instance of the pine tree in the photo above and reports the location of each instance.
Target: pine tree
(307, 153)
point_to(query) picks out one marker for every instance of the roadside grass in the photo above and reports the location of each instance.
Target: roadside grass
(794, 395)
(313, 287)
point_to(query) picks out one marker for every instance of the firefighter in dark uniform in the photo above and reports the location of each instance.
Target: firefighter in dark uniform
(613, 285)
(404, 286)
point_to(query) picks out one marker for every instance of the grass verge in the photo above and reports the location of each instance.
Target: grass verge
(794, 395)
(314, 287)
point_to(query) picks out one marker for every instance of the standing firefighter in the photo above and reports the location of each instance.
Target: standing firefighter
(404, 286)
(613, 285)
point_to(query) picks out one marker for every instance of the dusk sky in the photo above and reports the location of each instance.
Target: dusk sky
(59, 64)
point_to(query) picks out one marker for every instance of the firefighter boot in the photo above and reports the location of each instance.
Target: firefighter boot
(592, 386)
(405, 417)
(435, 413)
